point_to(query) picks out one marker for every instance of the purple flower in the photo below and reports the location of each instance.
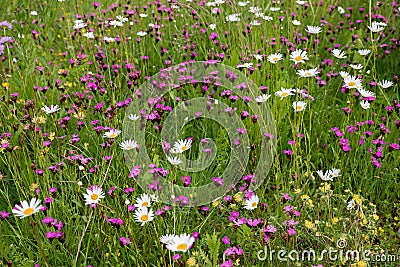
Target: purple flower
(226, 240)
(124, 241)
(4, 215)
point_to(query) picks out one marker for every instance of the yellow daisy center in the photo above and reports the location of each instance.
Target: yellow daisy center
(94, 196)
(284, 94)
(299, 107)
(144, 218)
(254, 204)
(352, 83)
(182, 247)
(145, 204)
(275, 59)
(184, 148)
(113, 135)
(298, 58)
(28, 211)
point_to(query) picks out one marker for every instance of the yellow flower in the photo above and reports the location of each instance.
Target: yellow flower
(357, 199)
(364, 222)
(335, 220)
(376, 217)
(297, 191)
(360, 264)
(309, 224)
(33, 186)
(215, 203)
(51, 136)
(191, 261)
(238, 197)
(326, 187)
(5, 85)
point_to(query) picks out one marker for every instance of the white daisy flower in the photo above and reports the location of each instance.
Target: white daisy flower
(262, 98)
(313, 29)
(308, 73)
(243, 3)
(112, 133)
(341, 10)
(344, 74)
(274, 9)
(116, 23)
(121, 18)
(352, 82)
(129, 145)
(133, 117)
(233, 18)
(295, 22)
(334, 173)
(284, 92)
(24, 209)
(299, 2)
(174, 160)
(258, 57)
(181, 243)
(212, 26)
(339, 53)
(298, 56)
(143, 215)
(89, 35)
(365, 93)
(245, 65)
(365, 104)
(141, 33)
(274, 58)
(252, 202)
(265, 17)
(385, 84)
(299, 106)
(376, 27)
(351, 205)
(143, 201)
(51, 109)
(142, 15)
(364, 52)
(93, 195)
(109, 39)
(356, 66)
(325, 177)
(182, 145)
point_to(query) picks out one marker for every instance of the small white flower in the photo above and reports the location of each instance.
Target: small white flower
(112, 133)
(262, 98)
(116, 23)
(34, 13)
(233, 18)
(299, 2)
(180, 243)
(258, 57)
(356, 66)
(296, 22)
(174, 160)
(365, 104)
(182, 145)
(89, 35)
(284, 92)
(299, 106)
(352, 82)
(376, 27)
(325, 177)
(265, 17)
(274, 9)
(335, 173)
(212, 26)
(252, 202)
(340, 10)
(339, 53)
(143, 215)
(51, 109)
(298, 56)
(344, 74)
(351, 205)
(308, 73)
(129, 145)
(365, 93)
(313, 29)
(93, 195)
(245, 65)
(133, 117)
(385, 84)
(25, 209)
(364, 52)
(243, 3)
(143, 201)
(143, 15)
(141, 33)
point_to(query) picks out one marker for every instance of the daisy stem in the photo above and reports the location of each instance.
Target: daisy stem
(81, 239)
(35, 234)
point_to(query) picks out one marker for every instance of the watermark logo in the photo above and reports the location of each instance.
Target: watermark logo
(162, 85)
(341, 254)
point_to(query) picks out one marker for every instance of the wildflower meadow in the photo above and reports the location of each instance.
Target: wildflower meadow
(199, 133)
